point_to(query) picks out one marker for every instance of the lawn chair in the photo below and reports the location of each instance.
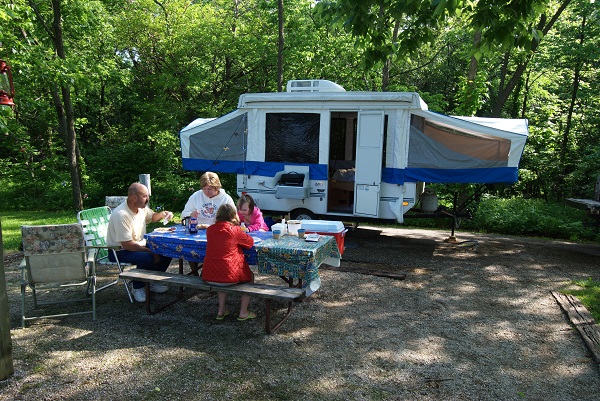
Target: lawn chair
(56, 258)
(95, 227)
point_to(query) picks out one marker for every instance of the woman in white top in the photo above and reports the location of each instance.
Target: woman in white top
(204, 204)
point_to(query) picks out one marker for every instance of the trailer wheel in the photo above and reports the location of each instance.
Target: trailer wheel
(302, 214)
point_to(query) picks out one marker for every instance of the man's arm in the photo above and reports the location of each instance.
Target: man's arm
(134, 246)
(156, 216)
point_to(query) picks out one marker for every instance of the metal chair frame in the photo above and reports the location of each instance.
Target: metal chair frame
(94, 222)
(55, 256)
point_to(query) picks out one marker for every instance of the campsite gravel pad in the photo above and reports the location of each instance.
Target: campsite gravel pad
(463, 325)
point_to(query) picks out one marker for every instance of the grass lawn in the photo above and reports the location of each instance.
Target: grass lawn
(12, 222)
(589, 295)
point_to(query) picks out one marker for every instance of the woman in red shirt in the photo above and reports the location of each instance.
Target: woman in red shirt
(224, 263)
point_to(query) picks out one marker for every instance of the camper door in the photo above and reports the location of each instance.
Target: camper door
(369, 151)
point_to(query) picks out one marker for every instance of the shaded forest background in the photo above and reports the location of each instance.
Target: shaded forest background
(103, 87)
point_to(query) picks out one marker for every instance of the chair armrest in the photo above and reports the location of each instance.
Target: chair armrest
(23, 264)
(91, 254)
(115, 247)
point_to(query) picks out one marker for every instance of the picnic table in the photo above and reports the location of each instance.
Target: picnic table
(293, 259)
(289, 257)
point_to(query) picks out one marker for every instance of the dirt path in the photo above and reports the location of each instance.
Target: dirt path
(464, 324)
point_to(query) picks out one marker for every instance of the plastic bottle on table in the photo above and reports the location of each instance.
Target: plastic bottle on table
(243, 226)
(193, 225)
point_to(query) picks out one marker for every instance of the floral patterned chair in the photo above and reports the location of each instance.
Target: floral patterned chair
(56, 258)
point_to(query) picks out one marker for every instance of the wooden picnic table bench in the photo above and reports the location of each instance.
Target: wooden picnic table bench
(266, 291)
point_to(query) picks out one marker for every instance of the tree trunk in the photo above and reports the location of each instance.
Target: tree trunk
(6, 360)
(505, 91)
(71, 140)
(525, 101)
(471, 101)
(228, 59)
(72, 150)
(564, 146)
(473, 64)
(280, 47)
(385, 81)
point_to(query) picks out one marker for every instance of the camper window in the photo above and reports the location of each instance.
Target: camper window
(436, 146)
(292, 137)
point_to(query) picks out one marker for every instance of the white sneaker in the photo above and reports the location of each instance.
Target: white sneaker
(139, 294)
(157, 287)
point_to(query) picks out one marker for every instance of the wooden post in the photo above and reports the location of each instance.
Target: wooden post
(6, 360)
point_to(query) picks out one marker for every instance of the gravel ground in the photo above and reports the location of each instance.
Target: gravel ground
(465, 324)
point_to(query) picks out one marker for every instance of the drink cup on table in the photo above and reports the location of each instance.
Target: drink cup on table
(193, 227)
(301, 232)
(276, 234)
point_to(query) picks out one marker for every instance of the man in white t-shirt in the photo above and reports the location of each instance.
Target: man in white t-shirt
(126, 228)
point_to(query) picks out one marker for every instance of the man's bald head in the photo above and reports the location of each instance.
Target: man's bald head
(137, 189)
(137, 196)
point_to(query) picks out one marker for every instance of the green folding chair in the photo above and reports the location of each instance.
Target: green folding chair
(95, 227)
(55, 258)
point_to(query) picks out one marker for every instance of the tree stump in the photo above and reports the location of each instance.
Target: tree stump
(6, 361)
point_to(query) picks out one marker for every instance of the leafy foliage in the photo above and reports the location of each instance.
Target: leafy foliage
(515, 216)
(142, 70)
(530, 217)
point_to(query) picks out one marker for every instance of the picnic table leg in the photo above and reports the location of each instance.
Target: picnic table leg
(181, 272)
(178, 298)
(268, 328)
(195, 268)
(147, 289)
(290, 281)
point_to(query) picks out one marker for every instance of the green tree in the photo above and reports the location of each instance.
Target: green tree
(55, 51)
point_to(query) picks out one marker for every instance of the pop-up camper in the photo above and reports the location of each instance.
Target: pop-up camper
(320, 151)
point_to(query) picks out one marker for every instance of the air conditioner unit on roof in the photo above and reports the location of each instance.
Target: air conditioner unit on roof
(313, 85)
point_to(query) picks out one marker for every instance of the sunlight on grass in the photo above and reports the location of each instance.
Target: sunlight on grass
(12, 222)
(588, 295)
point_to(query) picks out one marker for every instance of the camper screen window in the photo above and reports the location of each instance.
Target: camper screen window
(292, 137)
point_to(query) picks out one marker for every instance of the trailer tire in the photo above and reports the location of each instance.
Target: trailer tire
(302, 214)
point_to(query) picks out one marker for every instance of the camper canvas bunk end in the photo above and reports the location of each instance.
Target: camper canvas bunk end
(318, 150)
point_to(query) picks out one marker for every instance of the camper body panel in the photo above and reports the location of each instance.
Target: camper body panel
(369, 196)
(394, 200)
(349, 154)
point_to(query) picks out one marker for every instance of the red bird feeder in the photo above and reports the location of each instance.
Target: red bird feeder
(7, 90)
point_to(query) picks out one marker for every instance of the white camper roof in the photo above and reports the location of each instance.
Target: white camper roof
(339, 99)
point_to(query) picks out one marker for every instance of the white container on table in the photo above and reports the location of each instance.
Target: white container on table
(281, 227)
(293, 226)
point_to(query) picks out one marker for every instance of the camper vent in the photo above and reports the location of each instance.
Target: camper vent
(313, 85)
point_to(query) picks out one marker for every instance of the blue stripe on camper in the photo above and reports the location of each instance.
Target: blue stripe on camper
(265, 169)
(389, 175)
(269, 169)
(218, 166)
(452, 176)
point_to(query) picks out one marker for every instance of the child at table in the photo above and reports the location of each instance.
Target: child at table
(250, 214)
(224, 263)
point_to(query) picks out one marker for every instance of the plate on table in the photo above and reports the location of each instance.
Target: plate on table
(203, 226)
(165, 229)
(256, 240)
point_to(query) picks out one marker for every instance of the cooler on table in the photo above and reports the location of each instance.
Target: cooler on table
(326, 227)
